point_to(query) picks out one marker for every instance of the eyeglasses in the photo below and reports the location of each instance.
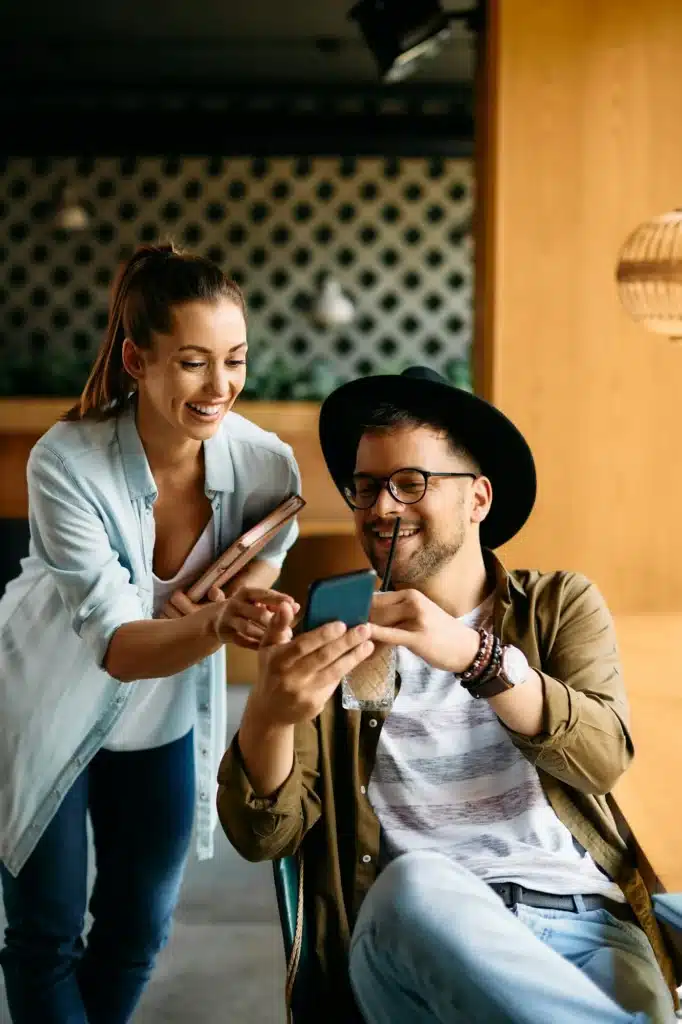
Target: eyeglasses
(408, 486)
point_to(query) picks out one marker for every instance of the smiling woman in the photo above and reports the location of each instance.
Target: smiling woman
(189, 385)
(202, 360)
(148, 478)
(149, 303)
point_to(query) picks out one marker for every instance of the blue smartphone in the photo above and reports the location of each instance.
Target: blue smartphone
(344, 598)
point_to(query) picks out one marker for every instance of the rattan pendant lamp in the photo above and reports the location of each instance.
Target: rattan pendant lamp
(649, 274)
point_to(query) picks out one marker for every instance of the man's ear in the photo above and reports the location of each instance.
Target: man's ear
(132, 359)
(482, 499)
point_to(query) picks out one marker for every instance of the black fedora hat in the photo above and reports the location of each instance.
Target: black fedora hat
(497, 445)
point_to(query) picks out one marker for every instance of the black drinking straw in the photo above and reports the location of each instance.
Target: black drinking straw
(389, 563)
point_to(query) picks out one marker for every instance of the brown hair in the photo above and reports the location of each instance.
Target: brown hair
(387, 417)
(147, 287)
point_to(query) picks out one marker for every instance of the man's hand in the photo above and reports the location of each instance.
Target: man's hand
(298, 675)
(296, 678)
(407, 618)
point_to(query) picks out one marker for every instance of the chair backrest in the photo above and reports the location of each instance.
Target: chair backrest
(286, 889)
(286, 876)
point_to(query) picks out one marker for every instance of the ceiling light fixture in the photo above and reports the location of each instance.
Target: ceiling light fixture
(403, 33)
(332, 306)
(71, 213)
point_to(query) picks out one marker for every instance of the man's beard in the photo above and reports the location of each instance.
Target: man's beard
(430, 557)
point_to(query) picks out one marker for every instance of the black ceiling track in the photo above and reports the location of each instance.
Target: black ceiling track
(270, 120)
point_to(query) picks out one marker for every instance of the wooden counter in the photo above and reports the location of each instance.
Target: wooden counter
(648, 793)
(23, 420)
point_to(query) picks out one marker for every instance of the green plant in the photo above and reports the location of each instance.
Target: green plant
(62, 373)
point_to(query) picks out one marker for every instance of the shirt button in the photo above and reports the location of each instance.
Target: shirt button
(366, 859)
(373, 723)
(363, 790)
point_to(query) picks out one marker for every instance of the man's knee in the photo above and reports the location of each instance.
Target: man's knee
(416, 889)
(417, 922)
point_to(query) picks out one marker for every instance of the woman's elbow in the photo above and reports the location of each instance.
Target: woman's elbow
(116, 666)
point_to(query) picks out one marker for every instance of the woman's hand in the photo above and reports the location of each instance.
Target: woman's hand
(179, 604)
(241, 618)
(244, 617)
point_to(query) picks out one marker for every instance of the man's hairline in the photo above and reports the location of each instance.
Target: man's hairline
(457, 448)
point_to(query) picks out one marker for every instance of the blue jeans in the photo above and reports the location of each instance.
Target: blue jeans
(433, 943)
(141, 806)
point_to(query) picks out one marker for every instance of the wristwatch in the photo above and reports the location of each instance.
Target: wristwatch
(509, 670)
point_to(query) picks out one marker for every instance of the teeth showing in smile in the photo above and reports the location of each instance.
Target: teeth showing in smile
(401, 533)
(204, 410)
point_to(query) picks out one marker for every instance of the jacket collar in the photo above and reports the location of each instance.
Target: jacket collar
(219, 471)
(506, 583)
(508, 587)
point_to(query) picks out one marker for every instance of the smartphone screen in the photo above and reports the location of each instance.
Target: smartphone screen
(345, 598)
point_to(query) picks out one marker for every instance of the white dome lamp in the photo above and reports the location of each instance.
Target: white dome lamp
(332, 307)
(71, 213)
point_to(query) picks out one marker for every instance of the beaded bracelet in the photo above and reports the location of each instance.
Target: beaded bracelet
(492, 668)
(482, 659)
(479, 688)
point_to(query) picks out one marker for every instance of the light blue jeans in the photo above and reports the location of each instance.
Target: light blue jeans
(433, 943)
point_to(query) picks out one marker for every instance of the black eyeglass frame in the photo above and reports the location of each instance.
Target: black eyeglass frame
(385, 481)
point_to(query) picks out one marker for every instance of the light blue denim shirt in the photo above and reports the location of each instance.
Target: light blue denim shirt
(88, 571)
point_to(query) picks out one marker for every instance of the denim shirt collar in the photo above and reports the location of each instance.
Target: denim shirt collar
(135, 465)
(218, 464)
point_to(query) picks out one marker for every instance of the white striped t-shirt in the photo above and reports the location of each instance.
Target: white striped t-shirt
(447, 777)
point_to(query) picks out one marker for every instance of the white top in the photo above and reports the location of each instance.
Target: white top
(160, 711)
(447, 777)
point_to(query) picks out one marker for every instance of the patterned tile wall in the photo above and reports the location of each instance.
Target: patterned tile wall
(394, 232)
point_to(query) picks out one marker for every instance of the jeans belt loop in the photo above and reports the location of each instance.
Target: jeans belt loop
(579, 903)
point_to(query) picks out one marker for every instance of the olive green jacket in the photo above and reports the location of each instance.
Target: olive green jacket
(561, 623)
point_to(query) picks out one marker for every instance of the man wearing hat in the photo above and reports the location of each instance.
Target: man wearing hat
(461, 860)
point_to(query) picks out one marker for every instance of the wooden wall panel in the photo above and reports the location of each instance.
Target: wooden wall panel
(581, 141)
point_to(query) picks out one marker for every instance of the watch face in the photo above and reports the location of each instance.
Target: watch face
(514, 665)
